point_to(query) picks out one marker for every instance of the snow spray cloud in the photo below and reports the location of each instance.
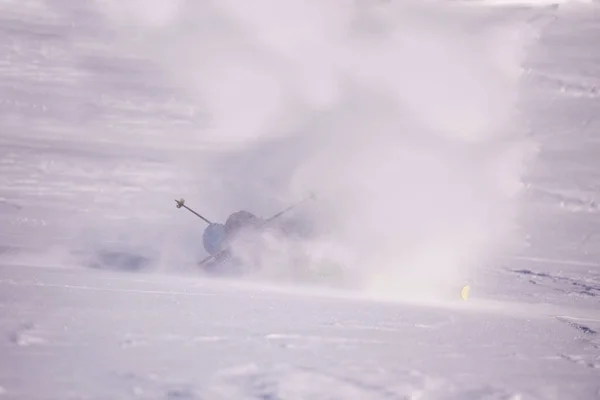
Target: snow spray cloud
(399, 115)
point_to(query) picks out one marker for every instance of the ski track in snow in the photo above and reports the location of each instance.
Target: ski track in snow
(81, 135)
(587, 284)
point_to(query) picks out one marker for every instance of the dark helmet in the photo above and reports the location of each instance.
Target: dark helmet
(213, 238)
(240, 219)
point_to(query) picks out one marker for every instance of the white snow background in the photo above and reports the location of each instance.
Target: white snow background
(448, 143)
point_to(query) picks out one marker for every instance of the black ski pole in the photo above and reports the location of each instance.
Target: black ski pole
(280, 213)
(181, 203)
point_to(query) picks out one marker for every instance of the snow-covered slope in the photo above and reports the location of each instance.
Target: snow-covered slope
(81, 334)
(403, 113)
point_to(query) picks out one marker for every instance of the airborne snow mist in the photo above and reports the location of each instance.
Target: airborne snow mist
(402, 117)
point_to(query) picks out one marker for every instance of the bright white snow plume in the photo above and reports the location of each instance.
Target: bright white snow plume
(401, 116)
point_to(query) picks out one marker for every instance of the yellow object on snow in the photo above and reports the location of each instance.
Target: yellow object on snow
(464, 293)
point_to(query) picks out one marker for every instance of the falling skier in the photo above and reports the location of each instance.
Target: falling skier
(218, 239)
